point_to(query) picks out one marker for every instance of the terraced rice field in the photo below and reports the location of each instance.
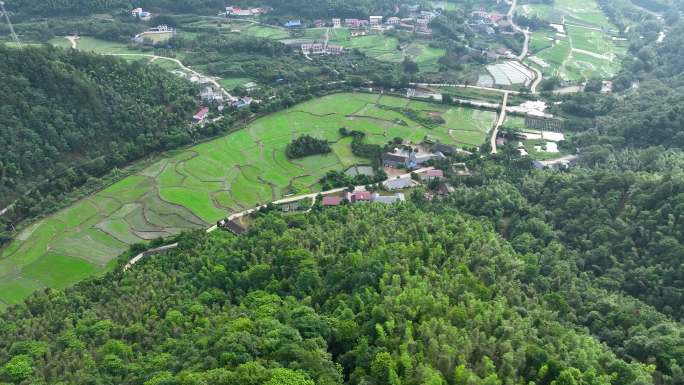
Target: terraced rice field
(586, 47)
(195, 187)
(381, 47)
(582, 12)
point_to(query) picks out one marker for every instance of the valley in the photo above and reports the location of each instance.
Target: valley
(194, 188)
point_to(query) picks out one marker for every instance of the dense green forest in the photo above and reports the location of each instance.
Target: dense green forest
(68, 116)
(304, 8)
(412, 294)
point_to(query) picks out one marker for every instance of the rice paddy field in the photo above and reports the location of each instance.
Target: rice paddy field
(384, 48)
(193, 188)
(584, 49)
(582, 12)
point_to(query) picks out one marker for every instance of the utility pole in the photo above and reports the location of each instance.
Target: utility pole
(9, 23)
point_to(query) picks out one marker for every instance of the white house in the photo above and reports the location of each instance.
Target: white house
(141, 14)
(393, 20)
(211, 95)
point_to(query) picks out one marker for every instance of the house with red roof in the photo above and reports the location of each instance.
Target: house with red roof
(200, 115)
(331, 201)
(433, 174)
(359, 196)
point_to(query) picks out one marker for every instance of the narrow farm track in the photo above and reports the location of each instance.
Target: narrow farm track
(181, 65)
(526, 47)
(72, 40)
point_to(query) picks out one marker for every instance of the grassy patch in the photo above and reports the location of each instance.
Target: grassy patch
(14, 290)
(230, 83)
(58, 271)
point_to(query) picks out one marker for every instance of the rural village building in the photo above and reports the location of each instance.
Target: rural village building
(359, 196)
(158, 30)
(209, 94)
(399, 183)
(432, 175)
(332, 201)
(313, 48)
(141, 14)
(393, 20)
(200, 115)
(289, 206)
(394, 161)
(243, 102)
(236, 11)
(561, 163)
(232, 226)
(250, 87)
(375, 22)
(444, 149)
(408, 158)
(335, 49)
(388, 199)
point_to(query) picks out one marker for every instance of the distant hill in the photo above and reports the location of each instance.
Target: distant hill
(63, 109)
(303, 8)
(87, 7)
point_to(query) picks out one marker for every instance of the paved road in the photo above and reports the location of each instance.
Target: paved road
(537, 79)
(526, 48)
(499, 122)
(180, 64)
(140, 256)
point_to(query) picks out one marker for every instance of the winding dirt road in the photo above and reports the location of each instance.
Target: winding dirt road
(526, 47)
(181, 65)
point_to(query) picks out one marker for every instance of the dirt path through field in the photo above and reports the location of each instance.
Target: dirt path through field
(73, 40)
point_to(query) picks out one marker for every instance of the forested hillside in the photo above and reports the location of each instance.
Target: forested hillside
(93, 113)
(363, 294)
(298, 7)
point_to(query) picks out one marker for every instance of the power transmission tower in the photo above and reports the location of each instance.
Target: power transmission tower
(9, 23)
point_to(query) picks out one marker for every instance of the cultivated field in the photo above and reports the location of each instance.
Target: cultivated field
(384, 48)
(536, 148)
(90, 44)
(195, 187)
(584, 48)
(582, 12)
